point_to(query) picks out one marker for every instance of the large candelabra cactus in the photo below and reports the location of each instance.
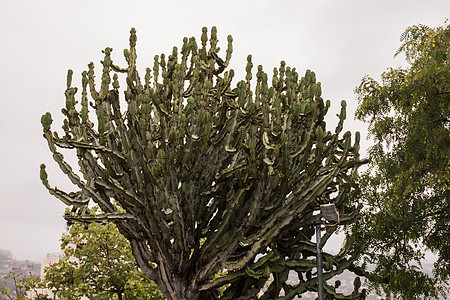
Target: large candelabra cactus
(213, 186)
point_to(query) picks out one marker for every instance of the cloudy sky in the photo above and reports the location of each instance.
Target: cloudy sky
(340, 40)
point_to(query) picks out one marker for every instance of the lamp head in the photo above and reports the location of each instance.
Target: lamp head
(329, 212)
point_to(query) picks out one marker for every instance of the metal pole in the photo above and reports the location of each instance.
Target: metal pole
(318, 224)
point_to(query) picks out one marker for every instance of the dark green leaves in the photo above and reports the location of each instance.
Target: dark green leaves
(407, 187)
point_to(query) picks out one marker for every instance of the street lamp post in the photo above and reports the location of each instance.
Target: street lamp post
(330, 214)
(318, 224)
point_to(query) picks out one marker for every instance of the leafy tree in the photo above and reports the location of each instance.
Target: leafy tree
(407, 186)
(97, 263)
(215, 187)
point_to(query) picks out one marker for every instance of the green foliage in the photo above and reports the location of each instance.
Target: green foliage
(214, 186)
(407, 187)
(97, 263)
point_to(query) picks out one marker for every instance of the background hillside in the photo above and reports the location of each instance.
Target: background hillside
(8, 264)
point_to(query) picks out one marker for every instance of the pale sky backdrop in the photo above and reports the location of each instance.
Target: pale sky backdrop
(340, 40)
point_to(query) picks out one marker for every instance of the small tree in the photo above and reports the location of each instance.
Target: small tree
(217, 186)
(97, 263)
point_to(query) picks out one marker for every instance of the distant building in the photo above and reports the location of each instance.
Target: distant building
(52, 258)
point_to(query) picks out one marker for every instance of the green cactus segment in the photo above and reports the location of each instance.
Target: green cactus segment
(204, 176)
(44, 176)
(46, 121)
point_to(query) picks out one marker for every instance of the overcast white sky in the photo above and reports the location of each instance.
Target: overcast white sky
(340, 40)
